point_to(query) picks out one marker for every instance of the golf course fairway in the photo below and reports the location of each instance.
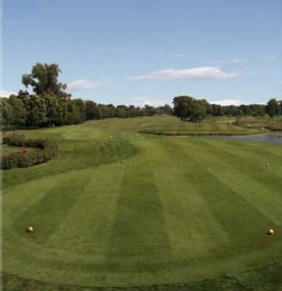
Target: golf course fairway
(117, 208)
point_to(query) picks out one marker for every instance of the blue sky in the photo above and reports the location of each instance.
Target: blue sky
(148, 51)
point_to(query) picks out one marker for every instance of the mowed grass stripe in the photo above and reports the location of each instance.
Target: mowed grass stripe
(267, 157)
(49, 212)
(140, 231)
(243, 230)
(246, 164)
(15, 205)
(44, 210)
(192, 226)
(255, 185)
(259, 194)
(264, 148)
(88, 226)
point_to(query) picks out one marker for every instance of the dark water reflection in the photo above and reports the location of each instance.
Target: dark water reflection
(260, 138)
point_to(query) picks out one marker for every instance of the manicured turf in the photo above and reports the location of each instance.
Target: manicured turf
(182, 213)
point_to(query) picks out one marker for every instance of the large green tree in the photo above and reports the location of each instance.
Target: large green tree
(36, 110)
(272, 107)
(44, 80)
(7, 112)
(19, 109)
(189, 108)
(197, 110)
(54, 110)
(181, 104)
(72, 113)
(91, 110)
(80, 105)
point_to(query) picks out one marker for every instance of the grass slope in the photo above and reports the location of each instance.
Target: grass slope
(178, 213)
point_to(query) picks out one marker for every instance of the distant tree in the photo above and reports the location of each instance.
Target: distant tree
(121, 111)
(44, 80)
(181, 104)
(23, 94)
(207, 105)
(272, 107)
(216, 110)
(54, 110)
(166, 109)
(188, 108)
(134, 111)
(80, 105)
(19, 110)
(231, 110)
(245, 109)
(7, 112)
(197, 110)
(106, 111)
(36, 110)
(110, 110)
(257, 109)
(72, 114)
(91, 110)
(149, 110)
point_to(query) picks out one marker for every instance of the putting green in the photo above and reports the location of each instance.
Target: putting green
(178, 209)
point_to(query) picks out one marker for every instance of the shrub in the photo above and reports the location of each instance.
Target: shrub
(48, 149)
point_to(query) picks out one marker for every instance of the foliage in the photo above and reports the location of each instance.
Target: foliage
(8, 115)
(44, 80)
(24, 158)
(273, 108)
(36, 110)
(91, 110)
(19, 110)
(54, 111)
(186, 107)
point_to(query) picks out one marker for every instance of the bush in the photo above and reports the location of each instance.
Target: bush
(48, 149)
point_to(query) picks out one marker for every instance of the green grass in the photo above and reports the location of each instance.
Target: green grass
(211, 126)
(273, 124)
(179, 213)
(7, 149)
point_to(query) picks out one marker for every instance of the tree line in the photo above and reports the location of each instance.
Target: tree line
(191, 109)
(32, 110)
(50, 105)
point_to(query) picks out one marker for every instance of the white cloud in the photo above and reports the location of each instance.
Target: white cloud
(226, 102)
(197, 73)
(142, 101)
(4, 93)
(82, 85)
